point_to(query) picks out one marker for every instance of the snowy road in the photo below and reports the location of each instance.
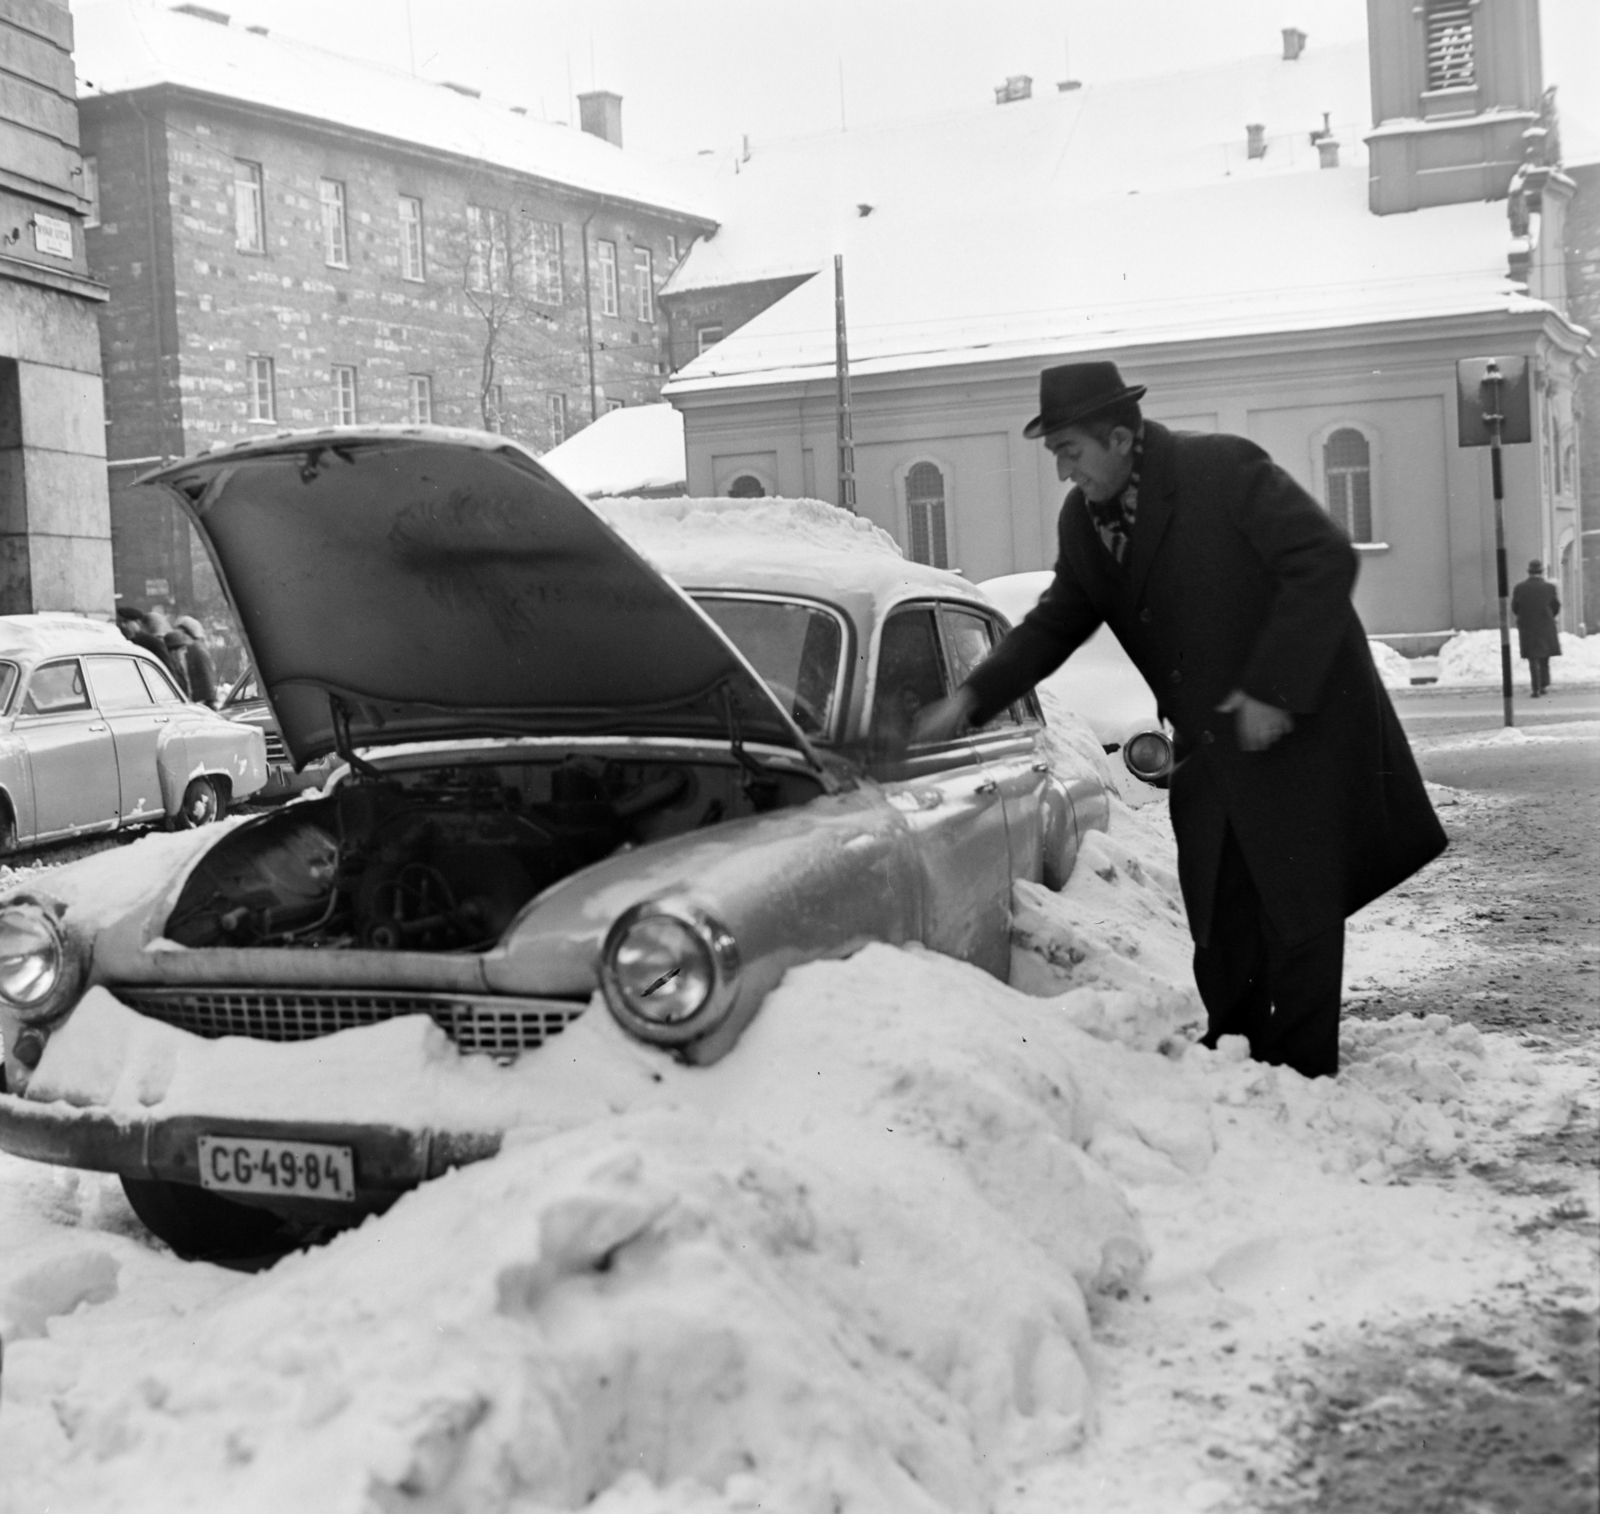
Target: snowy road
(924, 1243)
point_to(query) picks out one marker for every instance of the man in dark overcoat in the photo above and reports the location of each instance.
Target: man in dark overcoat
(1535, 606)
(1295, 799)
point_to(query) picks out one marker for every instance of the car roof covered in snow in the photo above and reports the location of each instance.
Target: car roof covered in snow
(59, 634)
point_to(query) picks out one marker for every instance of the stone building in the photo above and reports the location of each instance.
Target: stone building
(293, 239)
(55, 532)
(1297, 247)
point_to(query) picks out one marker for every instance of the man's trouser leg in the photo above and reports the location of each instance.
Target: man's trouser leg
(1283, 999)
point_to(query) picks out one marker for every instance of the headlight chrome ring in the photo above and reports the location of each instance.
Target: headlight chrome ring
(669, 970)
(1149, 757)
(41, 970)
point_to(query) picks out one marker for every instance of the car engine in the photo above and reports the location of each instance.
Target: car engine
(443, 860)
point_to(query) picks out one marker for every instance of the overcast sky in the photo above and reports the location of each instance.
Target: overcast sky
(700, 73)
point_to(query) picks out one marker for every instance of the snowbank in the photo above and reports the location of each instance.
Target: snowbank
(1393, 669)
(1471, 659)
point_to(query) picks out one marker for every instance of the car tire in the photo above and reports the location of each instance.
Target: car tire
(203, 803)
(8, 831)
(203, 1226)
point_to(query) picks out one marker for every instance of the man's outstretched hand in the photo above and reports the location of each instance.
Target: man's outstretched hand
(1258, 725)
(944, 719)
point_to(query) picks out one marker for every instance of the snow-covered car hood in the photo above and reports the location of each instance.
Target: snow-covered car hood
(415, 584)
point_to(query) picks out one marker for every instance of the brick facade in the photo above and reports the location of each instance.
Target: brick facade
(191, 308)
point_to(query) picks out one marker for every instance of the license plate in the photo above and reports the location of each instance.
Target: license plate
(289, 1169)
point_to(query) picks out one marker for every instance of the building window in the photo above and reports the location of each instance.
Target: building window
(1451, 64)
(606, 257)
(419, 398)
(335, 244)
(249, 207)
(558, 418)
(672, 252)
(1347, 471)
(488, 253)
(411, 265)
(544, 249)
(746, 486)
(263, 389)
(706, 337)
(496, 405)
(614, 405)
(91, 190)
(344, 396)
(925, 524)
(644, 270)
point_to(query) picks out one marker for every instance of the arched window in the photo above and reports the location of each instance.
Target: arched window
(746, 486)
(1347, 467)
(925, 528)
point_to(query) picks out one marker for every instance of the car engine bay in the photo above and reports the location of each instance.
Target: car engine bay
(443, 859)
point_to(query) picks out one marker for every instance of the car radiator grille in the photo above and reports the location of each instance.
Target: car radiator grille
(486, 1024)
(276, 750)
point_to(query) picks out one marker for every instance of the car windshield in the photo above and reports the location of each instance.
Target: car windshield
(793, 645)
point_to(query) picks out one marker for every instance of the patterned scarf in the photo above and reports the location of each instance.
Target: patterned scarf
(1113, 518)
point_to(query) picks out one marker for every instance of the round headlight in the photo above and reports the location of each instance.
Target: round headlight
(669, 971)
(34, 961)
(1148, 756)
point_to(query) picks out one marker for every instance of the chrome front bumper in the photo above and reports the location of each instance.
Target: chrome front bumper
(389, 1160)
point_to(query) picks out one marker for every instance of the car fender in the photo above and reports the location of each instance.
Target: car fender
(1070, 806)
(216, 748)
(16, 784)
(820, 880)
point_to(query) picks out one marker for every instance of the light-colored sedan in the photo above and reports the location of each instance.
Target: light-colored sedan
(94, 735)
(574, 777)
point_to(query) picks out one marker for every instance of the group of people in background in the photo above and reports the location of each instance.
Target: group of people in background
(182, 645)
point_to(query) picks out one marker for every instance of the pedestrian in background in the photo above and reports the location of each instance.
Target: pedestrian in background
(1295, 799)
(134, 623)
(197, 661)
(1535, 606)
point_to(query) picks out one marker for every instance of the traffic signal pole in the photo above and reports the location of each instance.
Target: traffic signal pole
(1494, 418)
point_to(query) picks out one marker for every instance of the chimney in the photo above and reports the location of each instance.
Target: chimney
(1328, 151)
(1294, 43)
(600, 114)
(1016, 87)
(1256, 140)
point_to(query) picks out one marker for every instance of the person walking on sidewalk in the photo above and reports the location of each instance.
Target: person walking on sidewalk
(1535, 606)
(1295, 799)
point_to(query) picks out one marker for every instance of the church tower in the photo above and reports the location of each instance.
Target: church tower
(1457, 88)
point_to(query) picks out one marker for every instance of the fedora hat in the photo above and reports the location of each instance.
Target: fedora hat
(1074, 392)
(1536, 566)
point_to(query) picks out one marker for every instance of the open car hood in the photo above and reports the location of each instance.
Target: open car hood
(423, 584)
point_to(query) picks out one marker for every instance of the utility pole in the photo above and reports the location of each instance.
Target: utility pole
(841, 369)
(1494, 419)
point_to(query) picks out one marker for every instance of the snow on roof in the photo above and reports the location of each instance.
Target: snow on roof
(787, 208)
(1246, 256)
(624, 452)
(124, 45)
(802, 546)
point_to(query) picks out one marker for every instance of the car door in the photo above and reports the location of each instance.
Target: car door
(71, 756)
(1008, 744)
(947, 795)
(137, 726)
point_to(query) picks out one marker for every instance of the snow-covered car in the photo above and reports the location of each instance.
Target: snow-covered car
(94, 736)
(574, 776)
(247, 705)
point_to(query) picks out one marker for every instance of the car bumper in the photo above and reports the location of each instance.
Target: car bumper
(389, 1160)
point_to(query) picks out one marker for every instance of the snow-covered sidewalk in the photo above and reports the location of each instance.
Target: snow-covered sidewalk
(924, 1242)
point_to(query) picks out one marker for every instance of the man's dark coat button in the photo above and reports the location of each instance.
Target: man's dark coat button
(1145, 615)
(1207, 737)
(1177, 677)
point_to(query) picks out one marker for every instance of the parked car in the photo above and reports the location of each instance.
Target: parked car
(566, 772)
(246, 704)
(94, 735)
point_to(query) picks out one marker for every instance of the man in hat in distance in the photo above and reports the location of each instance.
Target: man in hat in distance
(1295, 799)
(1535, 605)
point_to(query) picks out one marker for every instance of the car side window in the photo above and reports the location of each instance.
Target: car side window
(8, 684)
(117, 684)
(160, 686)
(969, 637)
(56, 688)
(910, 674)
